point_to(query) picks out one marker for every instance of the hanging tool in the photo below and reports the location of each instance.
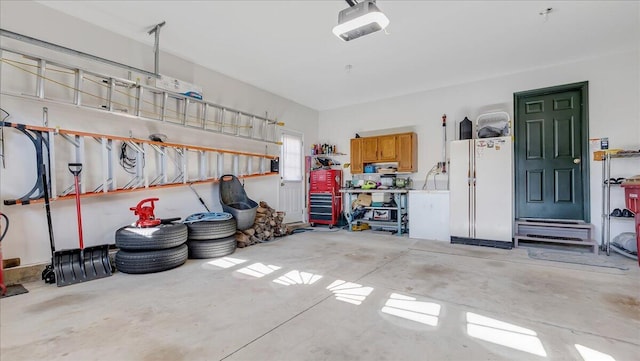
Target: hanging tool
(440, 167)
(2, 155)
(48, 274)
(443, 165)
(81, 264)
(41, 143)
(199, 198)
(3, 288)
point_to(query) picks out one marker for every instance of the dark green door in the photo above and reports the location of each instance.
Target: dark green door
(551, 152)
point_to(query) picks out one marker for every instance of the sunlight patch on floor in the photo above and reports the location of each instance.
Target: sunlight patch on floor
(411, 309)
(296, 277)
(589, 354)
(349, 292)
(505, 334)
(226, 262)
(258, 270)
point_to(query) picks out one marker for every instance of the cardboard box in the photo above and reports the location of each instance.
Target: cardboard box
(381, 197)
(364, 199)
(598, 155)
(384, 215)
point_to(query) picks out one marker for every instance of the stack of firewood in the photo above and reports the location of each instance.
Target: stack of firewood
(267, 225)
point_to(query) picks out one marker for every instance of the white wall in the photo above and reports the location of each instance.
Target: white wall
(614, 112)
(27, 237)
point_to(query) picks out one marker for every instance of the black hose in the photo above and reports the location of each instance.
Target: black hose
(351, 2)
(6, 227)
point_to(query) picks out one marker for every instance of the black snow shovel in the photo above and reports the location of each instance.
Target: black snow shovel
(81, 264)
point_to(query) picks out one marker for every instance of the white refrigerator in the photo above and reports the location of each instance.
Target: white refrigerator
(481, 192)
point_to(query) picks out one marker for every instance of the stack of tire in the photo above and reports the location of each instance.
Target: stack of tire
(213, 236)
(151, 249)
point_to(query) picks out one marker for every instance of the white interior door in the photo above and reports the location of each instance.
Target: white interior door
(291, 177)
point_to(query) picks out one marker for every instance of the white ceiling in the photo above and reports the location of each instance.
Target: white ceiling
(287, 47)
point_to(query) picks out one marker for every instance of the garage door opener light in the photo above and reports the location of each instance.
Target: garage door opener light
(359, 19)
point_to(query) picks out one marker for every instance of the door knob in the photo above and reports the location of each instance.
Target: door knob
(577, 160)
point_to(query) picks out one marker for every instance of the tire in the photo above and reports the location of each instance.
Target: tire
(212, 248)
(151, 261)
(207, 230)
(162, 236)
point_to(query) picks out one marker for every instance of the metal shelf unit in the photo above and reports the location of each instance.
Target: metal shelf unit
(399, 197)
(606, 197)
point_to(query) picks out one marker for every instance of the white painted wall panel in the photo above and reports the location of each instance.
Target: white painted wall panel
(27, 237)
(614, 110)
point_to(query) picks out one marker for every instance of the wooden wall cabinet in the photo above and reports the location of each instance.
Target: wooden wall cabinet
(357, 165)
(387, 148)
(407, 152)
(369, 149)
(393, 148)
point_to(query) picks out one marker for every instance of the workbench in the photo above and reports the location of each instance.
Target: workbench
(399, 197)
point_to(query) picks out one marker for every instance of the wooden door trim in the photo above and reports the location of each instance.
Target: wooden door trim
(583, 88)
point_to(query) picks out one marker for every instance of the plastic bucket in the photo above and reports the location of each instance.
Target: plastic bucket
(243, 212)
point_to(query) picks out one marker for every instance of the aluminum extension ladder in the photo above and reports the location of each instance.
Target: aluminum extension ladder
(90, 89)
(137, 177)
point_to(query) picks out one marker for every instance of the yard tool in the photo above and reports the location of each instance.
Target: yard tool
(146, 217)
(199, 198)
(3, 288)
(81, 264)
(48, 274)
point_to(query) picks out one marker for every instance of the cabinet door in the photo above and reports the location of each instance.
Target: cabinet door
(407, 152)
(387, 148)
(356, 156)
(369, 149)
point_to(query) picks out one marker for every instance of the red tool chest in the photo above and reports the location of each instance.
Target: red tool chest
(325, 199)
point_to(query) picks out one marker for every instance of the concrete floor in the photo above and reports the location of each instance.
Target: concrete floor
(379, 297)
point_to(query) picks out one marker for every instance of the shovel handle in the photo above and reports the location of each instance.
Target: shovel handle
(75, 168)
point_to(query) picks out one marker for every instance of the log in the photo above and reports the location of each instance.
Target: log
(241, 237)
(267, 224)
